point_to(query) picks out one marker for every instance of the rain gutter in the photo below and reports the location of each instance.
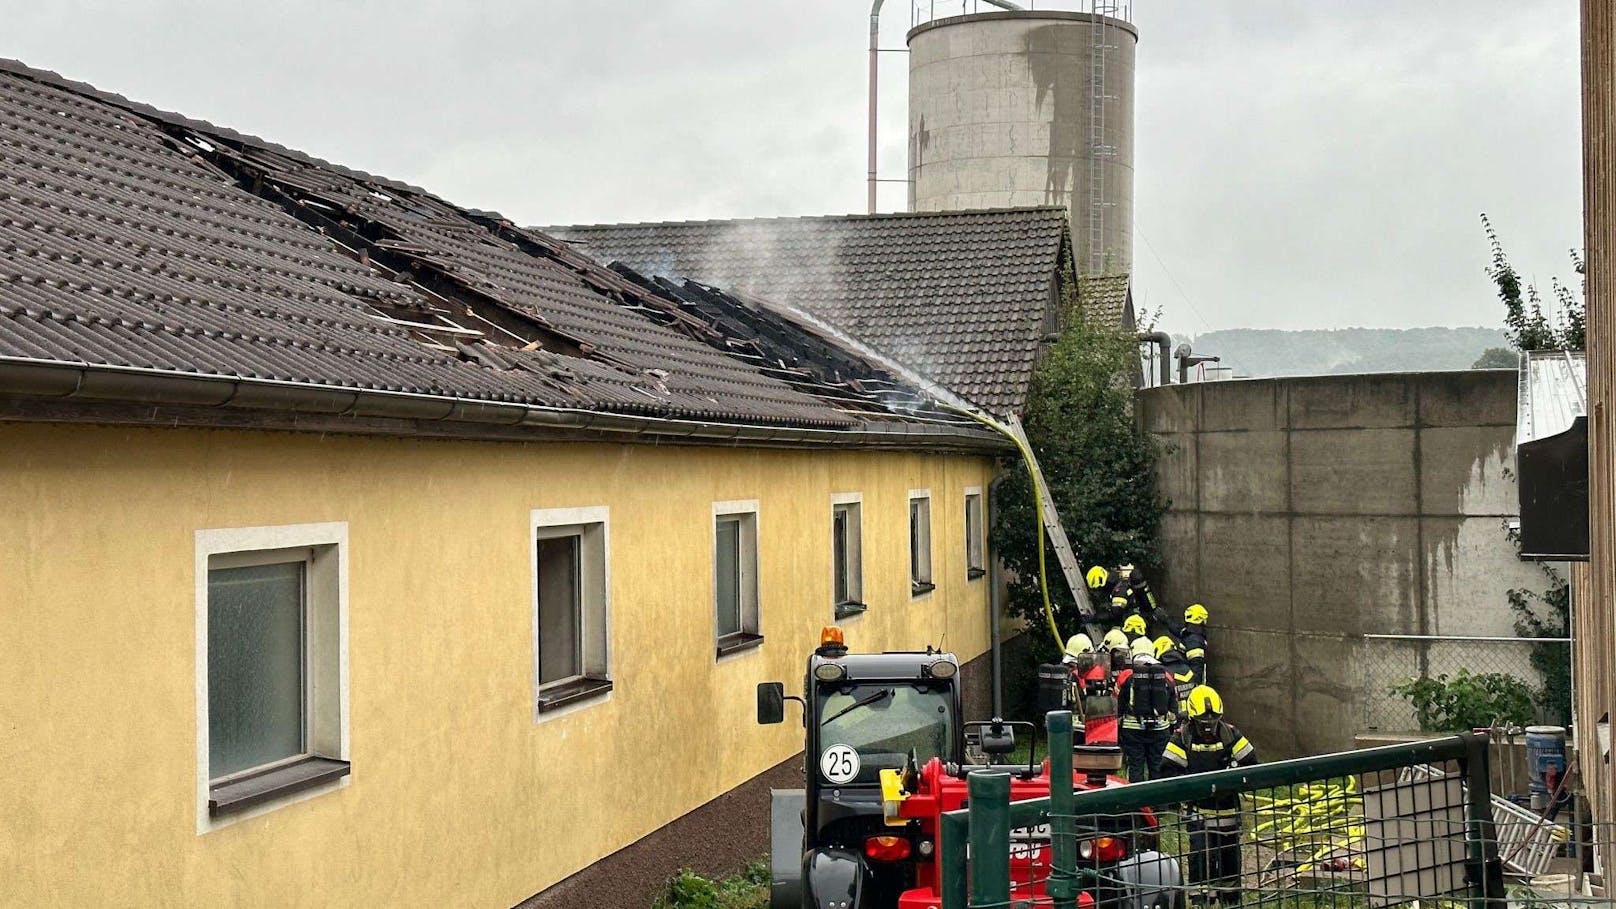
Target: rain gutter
(64, 380)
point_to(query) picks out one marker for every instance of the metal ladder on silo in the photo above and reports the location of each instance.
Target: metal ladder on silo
(1100, 48)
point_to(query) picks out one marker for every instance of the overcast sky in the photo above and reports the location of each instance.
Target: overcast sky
(1299, 164)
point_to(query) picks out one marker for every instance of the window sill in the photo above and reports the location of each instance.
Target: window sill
(241, 794)
(735, 643)
(972, 574)
(568, 693)
(917, 588)
(850, 609)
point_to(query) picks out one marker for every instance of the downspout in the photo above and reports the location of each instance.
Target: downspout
(995, 599)
(1164, 344)
(875, 67)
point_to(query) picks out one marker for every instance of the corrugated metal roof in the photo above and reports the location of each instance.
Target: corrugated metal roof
(959, 297)
(130, 237)
(1553, 392)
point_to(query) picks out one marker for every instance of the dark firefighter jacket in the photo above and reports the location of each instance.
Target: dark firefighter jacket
(1193, 639)
(1188, 752)
(1182, 675)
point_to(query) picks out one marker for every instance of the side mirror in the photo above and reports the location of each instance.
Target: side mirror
(771, 703)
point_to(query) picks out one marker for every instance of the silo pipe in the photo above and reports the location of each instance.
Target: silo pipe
(875, 70)
(1164, 343)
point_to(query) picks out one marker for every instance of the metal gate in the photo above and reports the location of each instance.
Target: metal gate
(1400, 825)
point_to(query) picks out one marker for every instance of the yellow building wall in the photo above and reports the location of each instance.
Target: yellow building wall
(457, 798)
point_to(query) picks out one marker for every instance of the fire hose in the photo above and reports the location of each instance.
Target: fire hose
(1037, 518)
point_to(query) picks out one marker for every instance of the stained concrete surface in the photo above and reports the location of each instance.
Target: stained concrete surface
(1306, 512)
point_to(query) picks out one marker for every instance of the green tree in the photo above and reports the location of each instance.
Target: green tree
(1526, 325)
(1497, 358)
(1101, 470)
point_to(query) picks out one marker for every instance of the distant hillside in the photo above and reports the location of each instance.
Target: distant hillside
(1265, 352)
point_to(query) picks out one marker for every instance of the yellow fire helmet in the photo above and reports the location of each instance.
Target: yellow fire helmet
(1079, 645)
(1204, 701)
(1162, 645)
(1142, 646)
(1097, 577)
(1134, 625)
(1115, 639)
(1196, 615)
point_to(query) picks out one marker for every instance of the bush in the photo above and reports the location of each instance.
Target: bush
(1467, 701)
(689, 890)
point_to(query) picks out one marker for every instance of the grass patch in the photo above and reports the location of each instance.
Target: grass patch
(689, 890)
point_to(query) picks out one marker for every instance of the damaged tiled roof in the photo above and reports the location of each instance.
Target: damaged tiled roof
(1105, 297)
(960, 297)
(132, 238)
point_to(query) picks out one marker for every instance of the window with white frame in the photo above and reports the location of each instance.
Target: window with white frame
(735, 576)
(920, 542)
(272, 676)
(571, 621)
(847, 554)
(975, 564)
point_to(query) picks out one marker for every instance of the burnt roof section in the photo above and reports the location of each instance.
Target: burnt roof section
(136, 239)
(960, 297)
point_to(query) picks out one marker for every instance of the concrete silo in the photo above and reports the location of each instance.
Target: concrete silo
(1033, 107)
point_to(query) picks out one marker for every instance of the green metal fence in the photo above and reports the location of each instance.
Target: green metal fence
(1402, 825)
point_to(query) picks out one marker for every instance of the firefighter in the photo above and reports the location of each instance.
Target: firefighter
(1106, 609)
(1096, 700)
(1131, 587)
(1202, 743)
(1178, 668)
(1192, 637)
(1114, 613)
(1147, 709)
(1116, 644)
(1134, 627)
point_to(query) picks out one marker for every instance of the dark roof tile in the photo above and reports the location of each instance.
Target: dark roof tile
(916, 286)
(135, 237)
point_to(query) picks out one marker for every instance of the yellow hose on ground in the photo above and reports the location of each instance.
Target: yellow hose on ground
(1037, 509)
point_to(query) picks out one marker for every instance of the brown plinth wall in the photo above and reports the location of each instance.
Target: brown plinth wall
(717, 839)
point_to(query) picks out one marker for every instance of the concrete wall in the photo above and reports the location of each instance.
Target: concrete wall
(1306, 512)
(1000, 115)
(457, 796)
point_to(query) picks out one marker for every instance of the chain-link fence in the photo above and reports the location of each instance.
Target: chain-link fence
(1430, 683)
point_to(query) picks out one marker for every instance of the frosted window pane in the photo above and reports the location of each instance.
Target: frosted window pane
(973, 531)
(728, 576)
(255, 666)
(559, 607)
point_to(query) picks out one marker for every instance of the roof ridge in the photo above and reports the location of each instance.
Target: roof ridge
(57, 80)
(776, 219)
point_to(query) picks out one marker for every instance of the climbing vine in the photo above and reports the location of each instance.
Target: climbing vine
(1545, 614)
(1101, 470)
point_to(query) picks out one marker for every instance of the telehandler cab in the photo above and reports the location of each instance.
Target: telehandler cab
(885, 756)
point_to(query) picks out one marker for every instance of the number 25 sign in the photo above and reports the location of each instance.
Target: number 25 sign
(839, 764)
